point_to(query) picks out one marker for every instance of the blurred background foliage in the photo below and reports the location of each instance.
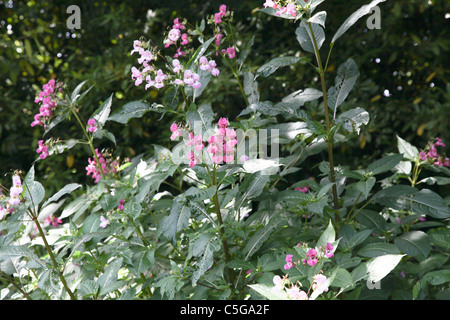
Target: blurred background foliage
(403, 82)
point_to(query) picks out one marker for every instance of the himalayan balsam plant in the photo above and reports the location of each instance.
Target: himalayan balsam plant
(210, 215)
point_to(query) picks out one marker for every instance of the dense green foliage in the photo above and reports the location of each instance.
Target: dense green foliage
(352, 181)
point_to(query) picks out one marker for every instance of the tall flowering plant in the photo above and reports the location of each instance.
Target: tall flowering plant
(211, 215)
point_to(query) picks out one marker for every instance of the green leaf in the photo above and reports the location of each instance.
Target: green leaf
(372, 220)
(329, 235)
(65, 190)
(134, 109)
(414, 243)
(436, 278)
(206, 260)
(345, 80)
(269, 292)
(364, 10)
(102, 113)
(298, 98)
(199, 52)
(430, 203)
(306, 39)
(76, 92)
(110, 274)
(353, 119)
(35, 194)
(251, 187)
(240, 264)
(176, 221)
(384, 164)
(381, 266)
(365, 186)
(373, 250)
(319, 18)
(342, 278)
(273, 65)
(406, 149)
(260, 236)
(200, 120)
(251, 88)
(440, 237)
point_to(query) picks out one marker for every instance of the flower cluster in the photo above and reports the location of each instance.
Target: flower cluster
(294, 292)
(14, 193)
(42, 149)
(218, 20)
(54, 221)
(430, 154)
(175, 34)
(313, 255)
(107, 166)
(289, 7)
(221, 144)
(49, 101)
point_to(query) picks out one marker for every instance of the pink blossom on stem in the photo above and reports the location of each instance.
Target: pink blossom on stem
(92, 125)
(42, 149)
(121, 204)
(289, 264)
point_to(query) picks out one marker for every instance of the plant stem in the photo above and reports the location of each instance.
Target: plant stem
(89, 139)
(327, 122)
(222, 232)
(52, 257)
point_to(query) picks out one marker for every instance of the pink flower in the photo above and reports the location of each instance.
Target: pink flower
(223, 123)
(184, 39)
(103, 222)
(320, 283)
(295, 293)
(289, 264)
(230, 51)
(439, 142)
(42, 149)
(312, 253)
(192, 159)
(329, 250)
(178, 25)
(204, 64)
(137, 76)
(312, 262)
(423, 156)
(173, 127)
(121, 204)
(278, 282)
(290, 8)
(174, 35)
(92, 127)
(270, 3)
(302, 189)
